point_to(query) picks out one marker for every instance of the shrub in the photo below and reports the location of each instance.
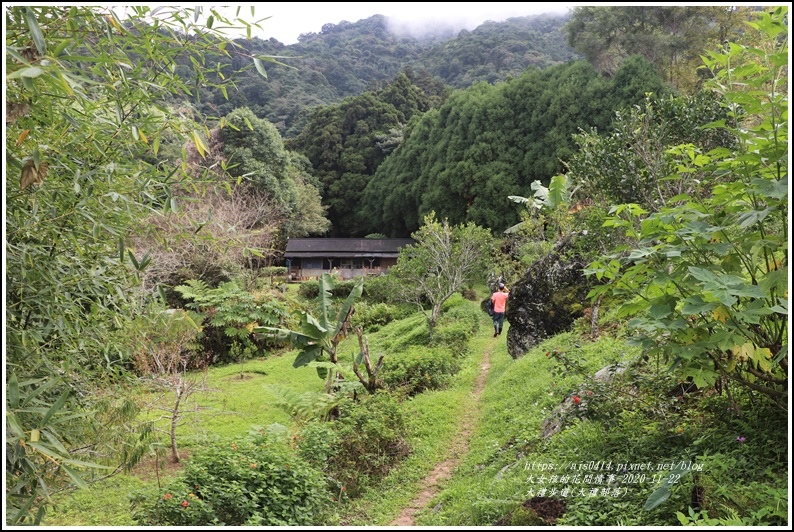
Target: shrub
(175, 334)
(230, 315)
(378, 289)
(309, 289)
(458, 322)
(174, 505)
(400, 335)
(467, 314)
(420, 368)
(454, 336)
(254, 482)
(469, 293)
(371, 440)
(372, 317)
(317, 443)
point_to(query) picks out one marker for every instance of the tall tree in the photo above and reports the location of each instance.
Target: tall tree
(491, 141)
(441, 262)
(632, 165)
(671, 37)
(345, 142)
(707, 274)
(255, 153)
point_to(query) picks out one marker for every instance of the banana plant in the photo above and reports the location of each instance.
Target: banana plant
(318, 337)
(547, 200)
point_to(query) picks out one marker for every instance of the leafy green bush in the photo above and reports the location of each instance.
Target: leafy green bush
(254, 482)
(708, 269)
(453, 336)
(372, 317)
(398, 336)
(317, 442)
(457, 310)
(371, 436)
(309, 289)
(458, 321)
(175, 505)
(379, 289)
(231, 313)
(420, 368)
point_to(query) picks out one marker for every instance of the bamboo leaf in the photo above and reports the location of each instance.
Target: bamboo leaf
(13, 391)
(259, 67)
(134, 260)
(79, 482)
(43, 449)
(85, 464)
(35, 31)
(200, 146)
(55, 407)
(13, 424)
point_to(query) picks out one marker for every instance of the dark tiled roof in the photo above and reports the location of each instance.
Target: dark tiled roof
(345, 247)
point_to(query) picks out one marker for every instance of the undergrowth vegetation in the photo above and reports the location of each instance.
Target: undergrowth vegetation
(589, 425)
(602, 446)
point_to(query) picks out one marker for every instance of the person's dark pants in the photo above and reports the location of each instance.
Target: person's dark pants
(498, 322)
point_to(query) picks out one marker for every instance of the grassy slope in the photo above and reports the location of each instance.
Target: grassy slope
(495, 478)
(635, 422)
(434, 419)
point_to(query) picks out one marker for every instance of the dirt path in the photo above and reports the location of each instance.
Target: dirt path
(458, 448)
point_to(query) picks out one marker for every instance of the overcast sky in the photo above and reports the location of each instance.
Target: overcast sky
(290, 19)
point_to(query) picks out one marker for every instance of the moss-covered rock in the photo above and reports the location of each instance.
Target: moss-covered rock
(549, 297)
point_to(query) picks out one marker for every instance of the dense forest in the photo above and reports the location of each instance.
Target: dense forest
(346, 59)
(623, 169)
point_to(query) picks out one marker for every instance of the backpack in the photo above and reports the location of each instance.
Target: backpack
(489, 307)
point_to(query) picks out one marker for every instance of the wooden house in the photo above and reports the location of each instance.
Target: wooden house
(309, 258)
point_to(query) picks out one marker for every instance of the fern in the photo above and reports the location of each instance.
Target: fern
(232, 311)
(195, 289)
(307, 406)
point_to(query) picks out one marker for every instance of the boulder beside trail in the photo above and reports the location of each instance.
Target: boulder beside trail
(548, 298)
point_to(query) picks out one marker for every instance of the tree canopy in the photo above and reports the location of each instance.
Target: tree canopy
(487, 142)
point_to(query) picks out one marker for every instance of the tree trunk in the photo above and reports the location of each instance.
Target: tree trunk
(174, 422)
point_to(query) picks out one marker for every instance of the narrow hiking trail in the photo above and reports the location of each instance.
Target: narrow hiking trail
(458, 448)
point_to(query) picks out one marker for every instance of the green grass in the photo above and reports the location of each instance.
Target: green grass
(435, 418)
(519, 395)
(745, 483)
(639, 422)
(236, 405)
(102, 504)
(229, 409)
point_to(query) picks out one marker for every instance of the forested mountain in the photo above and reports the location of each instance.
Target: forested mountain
(347, 142)
(345, 59)
(353, 93)
(463, 159)
(495, 51)
(461, 156)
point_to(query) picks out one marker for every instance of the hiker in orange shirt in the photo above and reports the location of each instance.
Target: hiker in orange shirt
(499, 299)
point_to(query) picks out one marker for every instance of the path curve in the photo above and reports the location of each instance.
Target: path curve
(458, 448)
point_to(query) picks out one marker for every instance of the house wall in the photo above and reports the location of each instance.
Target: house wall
(312, 268)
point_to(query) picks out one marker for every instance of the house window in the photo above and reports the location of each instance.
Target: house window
(312, 264)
